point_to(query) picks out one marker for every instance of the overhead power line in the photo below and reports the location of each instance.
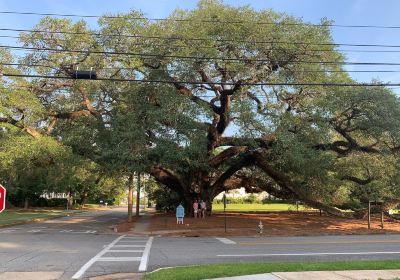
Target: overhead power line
(34, 65)
(202, 20)
(210, 83)
(178, 38)
(212, 47)
(197, 57)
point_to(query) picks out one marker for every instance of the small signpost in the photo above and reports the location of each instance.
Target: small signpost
(2, 198)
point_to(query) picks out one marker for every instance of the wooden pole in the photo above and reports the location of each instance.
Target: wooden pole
(224, 199)
(369, 214)
(130, 197)
(138, 195)
(144, 192)
(382, 226)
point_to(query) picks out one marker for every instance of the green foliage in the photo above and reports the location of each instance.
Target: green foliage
(164, 198)
(95, 133)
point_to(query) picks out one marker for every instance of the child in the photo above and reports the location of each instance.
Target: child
(203, 208)
(195, 208)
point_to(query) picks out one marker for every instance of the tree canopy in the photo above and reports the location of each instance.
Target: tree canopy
(208, 100)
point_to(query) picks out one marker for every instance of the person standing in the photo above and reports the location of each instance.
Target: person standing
(195, 208)
(203, 208)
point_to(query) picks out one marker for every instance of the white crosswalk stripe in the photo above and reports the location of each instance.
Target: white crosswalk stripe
(115, 248)
(225, 240)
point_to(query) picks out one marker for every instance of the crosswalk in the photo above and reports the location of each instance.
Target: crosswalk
(123, 249)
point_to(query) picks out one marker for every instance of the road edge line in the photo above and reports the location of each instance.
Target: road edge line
(145, 256)
(308, 254)
(87, 265)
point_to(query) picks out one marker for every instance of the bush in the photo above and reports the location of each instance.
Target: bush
(165, 199)
(252, 199)
(235, 200)
(57, 202)
(217, 201)
(42, 202)
(268, 200)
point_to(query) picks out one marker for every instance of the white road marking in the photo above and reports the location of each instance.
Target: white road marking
(133, 237)
(110, 249)
(125, 251)
(34, 230)
(130, 246)
(90, 231)
(66, 230)
(119, 259)
(310, 254)
(86, 266)
(145, 256)
(225, 240)
(7, 231)
(131, 241)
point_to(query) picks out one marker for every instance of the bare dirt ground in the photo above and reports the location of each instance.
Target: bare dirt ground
(275, 224)
(125, 226)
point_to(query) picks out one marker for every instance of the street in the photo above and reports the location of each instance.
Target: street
(84, 245)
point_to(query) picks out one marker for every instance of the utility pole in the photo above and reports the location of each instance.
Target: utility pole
(138, 195)
(369, 214)
(143, 187)
(130, 197)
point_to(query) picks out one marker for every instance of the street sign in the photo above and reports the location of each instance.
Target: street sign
(224, 200)
(2, 198)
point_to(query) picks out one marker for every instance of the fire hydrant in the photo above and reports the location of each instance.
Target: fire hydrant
(260, 227)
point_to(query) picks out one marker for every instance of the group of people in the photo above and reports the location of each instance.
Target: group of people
(199, 209)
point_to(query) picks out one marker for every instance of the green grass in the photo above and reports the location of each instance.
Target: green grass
(224, 270)
(256, 207)
(10, 217)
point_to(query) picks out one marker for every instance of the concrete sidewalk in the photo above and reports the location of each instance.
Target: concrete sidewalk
(326, 275)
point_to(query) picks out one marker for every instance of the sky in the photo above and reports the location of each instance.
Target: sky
(344, 12)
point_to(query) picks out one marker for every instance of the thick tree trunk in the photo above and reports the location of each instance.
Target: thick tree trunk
(199, 190)
(130, 197)
(83, 200)
(138, 195)
(206, 197)
(188, 200)
(286, 182)
(26, 202)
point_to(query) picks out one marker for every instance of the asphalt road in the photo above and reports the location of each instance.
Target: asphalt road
(84, 245)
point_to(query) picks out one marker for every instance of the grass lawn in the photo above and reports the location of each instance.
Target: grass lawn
(256, 207)
(224, 270)
(10, 217)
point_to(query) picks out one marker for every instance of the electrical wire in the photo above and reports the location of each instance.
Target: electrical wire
(177, 38)
(197, 57)
(211, 83)
(202, 21)
(188, 71)
(212, 47)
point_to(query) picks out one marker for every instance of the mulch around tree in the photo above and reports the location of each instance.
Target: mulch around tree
(275, 224)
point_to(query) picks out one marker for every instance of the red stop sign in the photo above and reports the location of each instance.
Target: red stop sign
(2, 198)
